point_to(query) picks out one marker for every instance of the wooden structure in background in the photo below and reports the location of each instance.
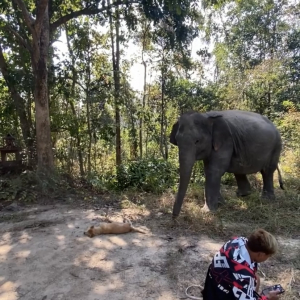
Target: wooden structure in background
(10, 148)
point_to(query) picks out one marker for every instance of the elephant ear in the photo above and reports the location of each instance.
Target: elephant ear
(218, 129)
(173, 133)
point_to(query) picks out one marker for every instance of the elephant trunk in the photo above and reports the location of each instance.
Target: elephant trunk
(186, 162)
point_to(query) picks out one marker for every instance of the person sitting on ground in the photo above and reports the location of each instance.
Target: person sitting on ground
(232, 273)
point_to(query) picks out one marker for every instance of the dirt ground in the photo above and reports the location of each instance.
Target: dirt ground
(44, 255)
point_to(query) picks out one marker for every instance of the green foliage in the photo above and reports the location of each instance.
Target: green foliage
(228, 179)
(256, 54)
(29, 187)
(187, 95)
(289, 126)
(150, 175)
(198, 177)
(20, 187)
(256, 57)
(9, 189)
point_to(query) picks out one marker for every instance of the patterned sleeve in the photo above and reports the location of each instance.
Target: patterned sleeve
(242, 291)
(244, 279)
(230, 270)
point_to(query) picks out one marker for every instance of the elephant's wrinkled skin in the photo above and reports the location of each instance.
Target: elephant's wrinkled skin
(232, 141)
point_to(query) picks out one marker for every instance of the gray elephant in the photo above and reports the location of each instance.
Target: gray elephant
(233, 141)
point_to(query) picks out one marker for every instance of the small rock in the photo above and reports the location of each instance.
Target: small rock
(12, 207)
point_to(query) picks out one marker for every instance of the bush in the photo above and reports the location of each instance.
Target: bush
(30, 186)
(228, 179)
(150, 175)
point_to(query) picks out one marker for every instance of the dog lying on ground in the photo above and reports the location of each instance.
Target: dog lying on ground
(113, 227)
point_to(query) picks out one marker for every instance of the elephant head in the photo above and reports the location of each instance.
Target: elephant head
(196, 135)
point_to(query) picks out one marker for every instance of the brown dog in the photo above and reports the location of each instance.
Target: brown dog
(113, 227)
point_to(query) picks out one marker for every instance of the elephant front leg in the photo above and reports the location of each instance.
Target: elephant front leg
(212, 193)
(244, 188)
(268, 187)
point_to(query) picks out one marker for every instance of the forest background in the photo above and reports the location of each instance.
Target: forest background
(95, 108)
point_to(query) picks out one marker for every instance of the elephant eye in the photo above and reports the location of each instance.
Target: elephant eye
(197, 142)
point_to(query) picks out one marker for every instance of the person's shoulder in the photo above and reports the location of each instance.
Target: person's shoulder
(241, 237)
(234, 243)
(244, 239)
(238, 240)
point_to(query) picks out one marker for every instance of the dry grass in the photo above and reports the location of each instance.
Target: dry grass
(184, 269)
(284, 268)
(238, 216)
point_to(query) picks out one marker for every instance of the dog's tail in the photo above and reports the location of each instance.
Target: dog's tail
(280, 177)
(137, 230)
(125, 220)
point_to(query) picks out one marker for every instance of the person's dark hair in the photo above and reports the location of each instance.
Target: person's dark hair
(262, 241)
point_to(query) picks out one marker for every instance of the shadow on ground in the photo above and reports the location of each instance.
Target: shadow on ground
(44, 255)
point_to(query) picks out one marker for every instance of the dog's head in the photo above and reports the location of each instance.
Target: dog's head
(89, 232)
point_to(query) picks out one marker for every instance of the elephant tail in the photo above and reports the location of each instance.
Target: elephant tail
(280, 177)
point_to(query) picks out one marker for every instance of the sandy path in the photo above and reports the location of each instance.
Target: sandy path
(44, 255)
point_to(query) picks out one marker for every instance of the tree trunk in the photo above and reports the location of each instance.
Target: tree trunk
(143, 105)
(116, 69)
(77, 133)
(42, 119)
(162, 120)
(133, 133)
(88, 108)
(88, 115)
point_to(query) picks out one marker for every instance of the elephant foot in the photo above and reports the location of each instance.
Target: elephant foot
(267, 195)
(206, 209)
(241, 193)
(221, 200)
(172, 222)
(174, 217)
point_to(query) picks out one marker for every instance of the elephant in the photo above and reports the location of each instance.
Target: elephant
(233, 141)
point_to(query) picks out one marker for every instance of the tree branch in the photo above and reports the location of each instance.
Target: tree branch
(21, 40)
(88, 11)
(76, 81)
(42, 5)
(17, 99)
(29, 21)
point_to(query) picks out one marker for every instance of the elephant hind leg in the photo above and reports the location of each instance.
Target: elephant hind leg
(268, 176)
(244, 188)
(268, 187)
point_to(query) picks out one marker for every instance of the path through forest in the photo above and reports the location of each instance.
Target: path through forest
(44, 255)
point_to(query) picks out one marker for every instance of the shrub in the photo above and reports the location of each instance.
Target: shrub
(150, 175)
(30, 186)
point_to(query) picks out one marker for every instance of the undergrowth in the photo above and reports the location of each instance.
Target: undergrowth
(30, 186)
(151, 184)
(239, 215)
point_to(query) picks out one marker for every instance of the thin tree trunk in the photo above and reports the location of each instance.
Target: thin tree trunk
(147, 131)
(162, 120)
(116, 68)
(74, 78)
(88, 115)
(143, 104)
(88, 108)
(19, 102)
(269, 109)
(133, 132)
